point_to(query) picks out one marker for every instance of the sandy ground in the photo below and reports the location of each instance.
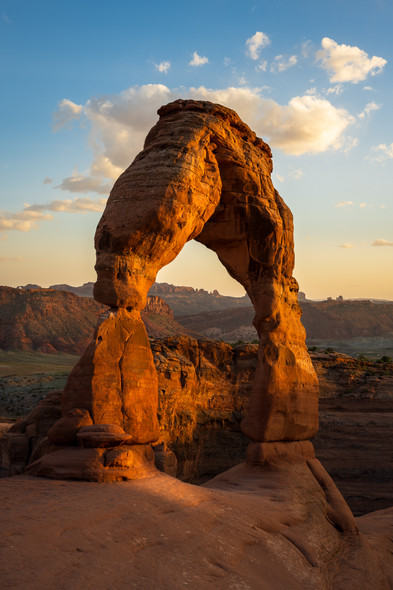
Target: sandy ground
(248, 530)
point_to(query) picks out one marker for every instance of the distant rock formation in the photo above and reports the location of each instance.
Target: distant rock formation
(158, 306)
(46, 321)
(52, 321)
(85, 290)
(323, 320)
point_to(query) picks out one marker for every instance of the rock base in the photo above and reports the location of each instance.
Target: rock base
(270, 453)
(120, 463)
(281, 455)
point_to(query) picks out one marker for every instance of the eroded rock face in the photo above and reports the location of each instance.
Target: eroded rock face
(204, 174)
(115, 379)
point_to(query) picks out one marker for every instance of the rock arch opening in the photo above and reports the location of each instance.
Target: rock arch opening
(203, 175)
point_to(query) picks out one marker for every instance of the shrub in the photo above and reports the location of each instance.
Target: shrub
(362, 358)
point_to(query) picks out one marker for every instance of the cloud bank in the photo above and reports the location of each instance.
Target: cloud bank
(27, 219)
(119, 124)
(382, 242)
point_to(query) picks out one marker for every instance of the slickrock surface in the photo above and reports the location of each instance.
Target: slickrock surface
(249, 529)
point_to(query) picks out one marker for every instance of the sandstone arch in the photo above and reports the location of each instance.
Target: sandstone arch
(204, 175)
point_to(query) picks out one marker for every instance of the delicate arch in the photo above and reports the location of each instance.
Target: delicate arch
(204, 174)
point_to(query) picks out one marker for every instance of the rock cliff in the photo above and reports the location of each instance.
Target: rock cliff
(52, 321)
(204, 391)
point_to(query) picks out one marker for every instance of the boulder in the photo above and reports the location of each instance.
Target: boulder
(64, 431)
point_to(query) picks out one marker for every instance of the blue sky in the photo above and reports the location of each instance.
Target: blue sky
(81, 83)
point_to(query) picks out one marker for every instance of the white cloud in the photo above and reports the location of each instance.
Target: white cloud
(307, 49)
(346, 246)
(84, 184)
(163, 66)
(281, 64)
(119, 124)
(262, 67)
(344, 204)
(227, 61)
(296, 174)
(306, 124)
(279, 177)
(198, 60)
(381, 152)
(381, 242)
(10, 259)
(371, 106)
(346, 63)
(47, 180)
(368, 88)
(337, 89)
(77, 205)
(27, 219)
(66, 112)
(21, 221)
(350, 143)
(255, 43)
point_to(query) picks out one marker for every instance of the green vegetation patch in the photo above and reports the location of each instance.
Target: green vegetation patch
(26, 363)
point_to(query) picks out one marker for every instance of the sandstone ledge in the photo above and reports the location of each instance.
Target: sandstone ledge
(248, 528)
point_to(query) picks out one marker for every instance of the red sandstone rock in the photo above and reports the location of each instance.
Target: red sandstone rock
(268, 454)
(102, 435)
(65, 430)
(115, 379)
(204, 174)
(96, 464)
